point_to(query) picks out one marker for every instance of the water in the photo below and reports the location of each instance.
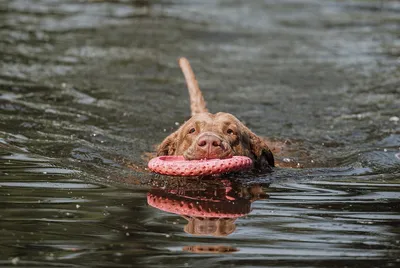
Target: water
(87, 88)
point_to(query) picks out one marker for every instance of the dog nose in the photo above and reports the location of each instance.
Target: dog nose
(209, 141)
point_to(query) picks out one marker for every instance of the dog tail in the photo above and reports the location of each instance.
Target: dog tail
(197, 103)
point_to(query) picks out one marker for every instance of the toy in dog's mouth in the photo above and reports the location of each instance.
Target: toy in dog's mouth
(178, 166)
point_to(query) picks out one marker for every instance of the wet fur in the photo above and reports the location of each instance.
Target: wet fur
(239, 141)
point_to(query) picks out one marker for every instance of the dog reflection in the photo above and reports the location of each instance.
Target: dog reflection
(210, 209)
(210, 249)
(210, 226)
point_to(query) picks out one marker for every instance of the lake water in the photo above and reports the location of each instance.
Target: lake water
(87, 88)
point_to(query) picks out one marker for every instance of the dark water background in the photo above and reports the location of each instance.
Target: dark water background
(88, 87)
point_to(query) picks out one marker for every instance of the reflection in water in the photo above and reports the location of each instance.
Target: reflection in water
(210, 249)
(211, 207)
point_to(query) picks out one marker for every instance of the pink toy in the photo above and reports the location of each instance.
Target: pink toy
(178, 166)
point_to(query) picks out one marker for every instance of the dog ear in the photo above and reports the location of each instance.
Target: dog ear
(262, 153)
(168, 146)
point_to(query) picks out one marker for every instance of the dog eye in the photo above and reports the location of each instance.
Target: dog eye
(229, 131)
(192, 130)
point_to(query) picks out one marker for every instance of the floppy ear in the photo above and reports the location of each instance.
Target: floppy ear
(168, 146)
(260, 150)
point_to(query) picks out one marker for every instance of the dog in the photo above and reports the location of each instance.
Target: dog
(209, 136)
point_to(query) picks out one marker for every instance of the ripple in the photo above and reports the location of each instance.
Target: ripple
(58, 185)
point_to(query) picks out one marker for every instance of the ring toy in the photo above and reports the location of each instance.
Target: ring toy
(178, 166)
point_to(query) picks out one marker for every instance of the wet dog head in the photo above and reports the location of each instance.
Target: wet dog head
(220, 135)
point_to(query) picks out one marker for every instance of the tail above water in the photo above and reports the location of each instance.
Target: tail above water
(197, 103)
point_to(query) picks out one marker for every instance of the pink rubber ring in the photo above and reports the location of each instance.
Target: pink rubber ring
(178, 166)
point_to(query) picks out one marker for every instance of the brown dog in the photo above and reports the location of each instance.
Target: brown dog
(210, 136)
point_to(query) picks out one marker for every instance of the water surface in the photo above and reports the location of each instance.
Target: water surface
(87, 88)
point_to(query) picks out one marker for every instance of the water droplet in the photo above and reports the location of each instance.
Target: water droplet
(15, 260)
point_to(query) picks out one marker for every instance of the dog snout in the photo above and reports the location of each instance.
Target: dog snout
(208, 146)
(208, 141)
